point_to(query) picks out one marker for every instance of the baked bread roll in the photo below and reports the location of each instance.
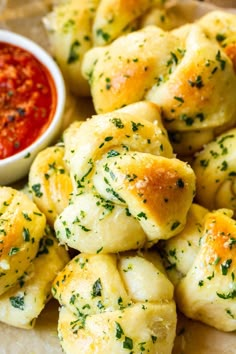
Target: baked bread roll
(124, 71)
(137, 127)
(207, 292)
(221, 26)
(115, 304)
(73, 27)
(49, 182)
(195, 95)
(21, 305)
(157, 190)
(179, 252)
(215, 169)
(87, 224)
(115, 17)
(188, 75)
(200, 262)
(126, 175)
(22, 226)
(69, 30)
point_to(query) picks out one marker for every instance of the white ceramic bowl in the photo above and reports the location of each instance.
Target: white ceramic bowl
(15, 167)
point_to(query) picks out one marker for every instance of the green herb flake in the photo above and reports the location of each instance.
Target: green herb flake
(172, 253)
(224, 166)
(37, 190)
(128, 343)
(97, 288)
(136, 126)
(220, 60)
(179, 99)
(72, 299)
(229, 312)
(142, 215)
(154, 339)
(220, 37)
(18, 302)
(211, 276)
(112, 153)
(26, 234)
(13, 251)
(204, 163)
(119, 330)
(99, 250)
(229, 295)
(175, 225)
(108, 138)
(117, 123)
(225, 266)
(180, 183)
(84, 228)
(188, 120)
(105, 36)
(225, 137)
(201, 283)
(232, 242)
(27, 155)
(232, 174)
(73, 53)
(108, 83)
(197, 83)
(217, 260)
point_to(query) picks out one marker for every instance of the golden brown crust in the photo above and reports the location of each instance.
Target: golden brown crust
(124, 71)
(128, 154)
(186, 73)
(21, 305)
(220, 26)
(21, 228)
(73, 27)
(157, 190)
(50, 183)
(207, 292)
(137, 127)
(109, 302)
(115, 17)
(186, 97)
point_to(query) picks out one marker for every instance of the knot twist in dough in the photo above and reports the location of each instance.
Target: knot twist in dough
(201, 263)
(111, 304)
(124, 174)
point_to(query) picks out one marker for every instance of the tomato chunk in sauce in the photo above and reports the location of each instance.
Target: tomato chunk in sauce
(27, 99)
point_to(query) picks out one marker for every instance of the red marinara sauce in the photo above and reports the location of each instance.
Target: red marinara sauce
(27, 99)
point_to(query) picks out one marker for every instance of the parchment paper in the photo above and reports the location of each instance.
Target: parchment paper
(24, 17)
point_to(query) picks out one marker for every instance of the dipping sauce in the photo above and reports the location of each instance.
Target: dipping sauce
(27, 99)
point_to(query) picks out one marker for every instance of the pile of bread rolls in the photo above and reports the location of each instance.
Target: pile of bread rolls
(128, 191)
(143, 192)
(164, 94)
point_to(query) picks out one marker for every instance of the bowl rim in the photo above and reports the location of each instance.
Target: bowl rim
(47, 60)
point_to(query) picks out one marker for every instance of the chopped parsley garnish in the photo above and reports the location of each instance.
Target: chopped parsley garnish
(18, 302)
(97, 288)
